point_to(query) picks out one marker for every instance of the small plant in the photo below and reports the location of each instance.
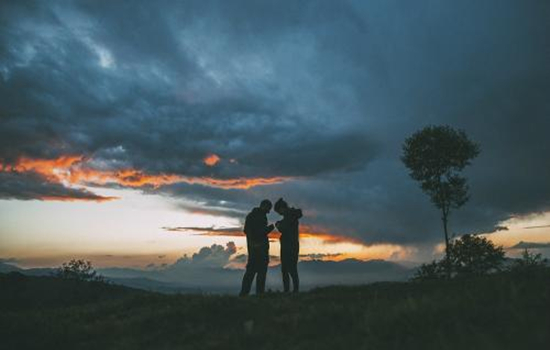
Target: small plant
(529, 262)
(432, 271)
(81, 270)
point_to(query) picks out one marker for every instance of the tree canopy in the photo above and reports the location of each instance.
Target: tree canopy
(435, 156)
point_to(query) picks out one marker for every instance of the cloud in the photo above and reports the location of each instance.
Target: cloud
(317, 116)
(531, 245)
(210, 257)
(320, 256)
(306, 232)
(536, 227)
(66, 171)
(208, 231)
(213, 210)
(33, 186)
(211, 159)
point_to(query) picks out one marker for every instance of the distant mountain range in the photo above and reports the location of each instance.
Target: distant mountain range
(192, 279)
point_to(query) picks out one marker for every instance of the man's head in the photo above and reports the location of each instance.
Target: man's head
(281, 206)
(266, 205)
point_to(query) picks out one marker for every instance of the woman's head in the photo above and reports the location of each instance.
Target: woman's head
(281, 206)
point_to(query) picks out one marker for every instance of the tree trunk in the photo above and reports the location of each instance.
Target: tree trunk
(444, 218)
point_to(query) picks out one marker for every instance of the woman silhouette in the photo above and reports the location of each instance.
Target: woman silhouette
(290, 244)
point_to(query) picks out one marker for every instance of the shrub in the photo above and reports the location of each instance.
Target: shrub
(475, 255)
(529, 262)
(469, 255)
(432, 271)
(80, 270)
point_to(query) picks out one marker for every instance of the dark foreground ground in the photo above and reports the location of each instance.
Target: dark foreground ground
(497, 312)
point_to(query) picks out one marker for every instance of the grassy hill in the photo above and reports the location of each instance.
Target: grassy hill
(496, 312)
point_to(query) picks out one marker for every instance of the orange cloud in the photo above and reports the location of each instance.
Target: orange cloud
(208, 231)
(242, 183)
(68, 198)
(211, 159)
(331, 238)
(52, 169)
(309, 231)
(305, 232)
(73, 170)
(125, 177)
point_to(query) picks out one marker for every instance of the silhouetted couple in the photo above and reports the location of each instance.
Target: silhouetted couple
(257, 231)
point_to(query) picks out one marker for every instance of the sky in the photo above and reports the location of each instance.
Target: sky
(136, 132)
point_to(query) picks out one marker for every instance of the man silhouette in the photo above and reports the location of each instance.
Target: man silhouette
(256, 230)
(290, 244)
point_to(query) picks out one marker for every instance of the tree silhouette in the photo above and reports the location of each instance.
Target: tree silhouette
(435, 157)
(81, 270)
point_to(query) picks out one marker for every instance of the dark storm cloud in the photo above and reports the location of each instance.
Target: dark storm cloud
(32, 186)
(98, 77)
(322, 91)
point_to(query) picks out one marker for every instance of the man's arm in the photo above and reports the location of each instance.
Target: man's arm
(266, 228)
(258, 226)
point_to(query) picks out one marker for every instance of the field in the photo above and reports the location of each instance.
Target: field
(496, 312)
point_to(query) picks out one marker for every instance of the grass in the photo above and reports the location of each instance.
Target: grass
(494, 312)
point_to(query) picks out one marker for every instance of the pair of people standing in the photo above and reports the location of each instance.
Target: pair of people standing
(257, 230)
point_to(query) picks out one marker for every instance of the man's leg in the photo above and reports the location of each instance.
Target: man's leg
(248, 277)
(247, 281)
(263, 262)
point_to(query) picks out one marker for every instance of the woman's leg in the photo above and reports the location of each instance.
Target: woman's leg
(293, 270)
(248, 278)
(284, 269)
(263, 263)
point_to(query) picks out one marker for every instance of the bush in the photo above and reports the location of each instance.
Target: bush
(529, 262)
(432, 271)
(475, 255)
(469, 255)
